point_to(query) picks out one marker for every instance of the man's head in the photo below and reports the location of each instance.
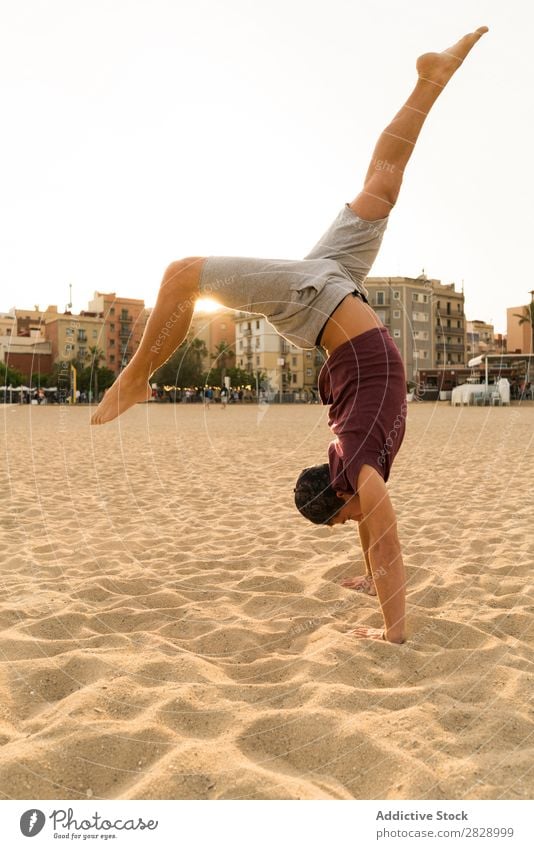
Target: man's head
(316, 499)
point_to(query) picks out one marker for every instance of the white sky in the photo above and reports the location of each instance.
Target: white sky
(136, 132)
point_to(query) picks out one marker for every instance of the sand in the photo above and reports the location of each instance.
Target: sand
(172, 629)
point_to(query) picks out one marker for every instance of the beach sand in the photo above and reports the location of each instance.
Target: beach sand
(173, 629)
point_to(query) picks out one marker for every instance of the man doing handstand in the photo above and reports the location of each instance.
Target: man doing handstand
(322, 300)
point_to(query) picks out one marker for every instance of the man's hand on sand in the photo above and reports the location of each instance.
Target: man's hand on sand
(362, 584)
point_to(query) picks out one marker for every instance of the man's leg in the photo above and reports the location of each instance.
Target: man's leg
(166, 329)
(396, 144)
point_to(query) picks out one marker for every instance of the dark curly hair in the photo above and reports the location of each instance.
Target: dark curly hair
(315, 497)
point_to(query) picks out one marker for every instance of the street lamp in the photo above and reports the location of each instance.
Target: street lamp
(280, 361)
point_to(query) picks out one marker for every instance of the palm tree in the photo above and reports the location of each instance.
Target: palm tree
(222, 354)
(199, 351)
(96, 355)
(527, 317)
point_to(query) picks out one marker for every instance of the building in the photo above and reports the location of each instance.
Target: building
(425, 318)
(28, 321)
(519, 336)
(482, 339)
(260, 349)
(8, 324)
(215, 329)
(124, 323)
(404, 305)
(30, 355)
(71, 336)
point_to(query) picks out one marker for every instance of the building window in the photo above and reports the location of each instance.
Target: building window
(308, 355)
(381, 315)
(293, 361)
(459, 323)
(258, 341)
(112, 311)
(308, 372)
(424, 355)
(294, 378)
(257, 325)
(425, 299)
(112, 327)
(396, 334)
(112, 343)
(459, 307)
(415, 296)
(69, 331)
(240, 344)
(380, 298)
(459, 341)
(257, 361)
(112, 358)
(396, 313)
(396, 294)
(448, 307)
(459, 358)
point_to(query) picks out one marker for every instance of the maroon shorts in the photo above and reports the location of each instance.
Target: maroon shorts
(365, 384)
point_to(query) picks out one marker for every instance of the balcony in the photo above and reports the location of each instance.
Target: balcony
(125, 317)
(448, 347)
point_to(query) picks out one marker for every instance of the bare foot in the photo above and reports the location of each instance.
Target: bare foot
(363, 584)
(438, 68)
(123, 394)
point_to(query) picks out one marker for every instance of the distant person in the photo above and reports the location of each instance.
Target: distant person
(321, 300)
(224, 397)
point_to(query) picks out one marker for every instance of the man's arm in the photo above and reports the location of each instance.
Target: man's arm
(385, 555)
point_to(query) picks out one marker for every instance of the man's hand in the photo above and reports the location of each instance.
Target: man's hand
(362, 584)
(368, 633)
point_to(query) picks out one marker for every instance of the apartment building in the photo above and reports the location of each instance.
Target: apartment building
(124, 323)
(449, 324)
(28, 321)
(71, 336)
(425, 318)
(404, 305)
(259, 348)
(482, 339)
(8, 324)
(215, 328)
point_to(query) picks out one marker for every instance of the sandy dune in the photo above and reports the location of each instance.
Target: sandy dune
(171, 627)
